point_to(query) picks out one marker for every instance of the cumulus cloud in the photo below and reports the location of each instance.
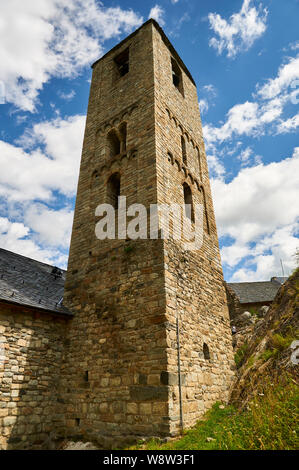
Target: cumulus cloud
(51, 227)
(240, 31)
(157, 14)
(258, 210)
(253, 118)
(38, 179)
(47, 161)
(14, 236)
(50, 38)
(287, 74)
(288, 125)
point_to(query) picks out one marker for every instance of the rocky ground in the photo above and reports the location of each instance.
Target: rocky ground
(267, 344)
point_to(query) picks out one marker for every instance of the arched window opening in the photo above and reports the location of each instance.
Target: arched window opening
(199, 163)
(206, 217)
(122, 62)
(113, 190)
(206, 352)
(184, 151)
(189, 209)
(123, 135)
(113, 144)
(177, 76)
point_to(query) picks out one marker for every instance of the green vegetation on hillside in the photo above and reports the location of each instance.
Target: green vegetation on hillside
(269, 422)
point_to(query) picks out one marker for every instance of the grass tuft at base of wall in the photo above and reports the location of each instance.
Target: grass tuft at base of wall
(270, 422)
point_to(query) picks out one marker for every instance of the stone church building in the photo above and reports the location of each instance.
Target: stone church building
(134, 339)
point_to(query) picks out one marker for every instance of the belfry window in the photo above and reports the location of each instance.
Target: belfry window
(122, 62)
(177, 79)
(113, 190)
(189, 209)
(184, 151)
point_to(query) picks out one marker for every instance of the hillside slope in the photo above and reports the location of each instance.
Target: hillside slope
(271, 351)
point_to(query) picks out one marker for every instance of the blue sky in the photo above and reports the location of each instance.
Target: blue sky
(244, 57)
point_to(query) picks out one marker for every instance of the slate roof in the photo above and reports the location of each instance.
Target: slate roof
(28, 282)
(279, 279)
(254, 292)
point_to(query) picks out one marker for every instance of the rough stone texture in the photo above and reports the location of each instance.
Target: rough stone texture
(126, 300)
(31, 346)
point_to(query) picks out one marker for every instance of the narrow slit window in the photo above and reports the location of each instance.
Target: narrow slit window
(184, 151)
(206, 351)
(188, 202)
(113, 190)
(123, 134)
(177, 79)
(122, 62)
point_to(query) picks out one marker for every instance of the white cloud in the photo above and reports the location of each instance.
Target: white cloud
(287, 74)
(240, 31)
(14, 236)
(67, 96)
(203, 105)
(258, 210)
(208, 94)
(157, 14)
(30, 177)
(52, 227)
(253, 118)
(215, 166)
(53, 38)
(288, 125)
(51, 162)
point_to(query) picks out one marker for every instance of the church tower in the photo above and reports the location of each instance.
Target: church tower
(149, 348)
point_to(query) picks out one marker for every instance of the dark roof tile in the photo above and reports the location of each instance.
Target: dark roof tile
(254, 292)
(31, 283)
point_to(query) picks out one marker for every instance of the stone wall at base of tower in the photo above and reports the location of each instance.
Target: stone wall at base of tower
(116, 350)
(31, 351)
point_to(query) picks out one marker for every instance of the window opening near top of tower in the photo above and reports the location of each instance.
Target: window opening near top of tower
(122, 62)
(177, 78)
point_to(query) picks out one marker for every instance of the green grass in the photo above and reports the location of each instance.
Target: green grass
(240, 355)
(269, 423)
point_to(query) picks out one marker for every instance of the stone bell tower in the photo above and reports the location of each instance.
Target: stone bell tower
(149, 348)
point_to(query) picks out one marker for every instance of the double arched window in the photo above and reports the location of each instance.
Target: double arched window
(117, 140)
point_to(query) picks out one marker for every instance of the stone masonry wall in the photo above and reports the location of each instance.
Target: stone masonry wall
(117, 340)
(195, 293)
(31, 347)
